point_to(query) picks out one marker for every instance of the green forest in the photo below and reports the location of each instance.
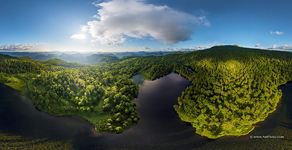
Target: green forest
(232, 89)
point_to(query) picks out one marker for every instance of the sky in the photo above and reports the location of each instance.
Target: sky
(143, 25)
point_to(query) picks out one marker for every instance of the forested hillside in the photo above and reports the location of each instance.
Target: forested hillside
(12, 69)
(96, 94)
(232, 88)
(59, 62)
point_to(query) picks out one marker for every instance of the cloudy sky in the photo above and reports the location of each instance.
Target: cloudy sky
(143, 25)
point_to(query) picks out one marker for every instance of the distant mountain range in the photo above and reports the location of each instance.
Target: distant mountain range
(86, 58)
(142, 53)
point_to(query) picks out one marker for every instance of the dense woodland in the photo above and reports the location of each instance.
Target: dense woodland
(232, 88)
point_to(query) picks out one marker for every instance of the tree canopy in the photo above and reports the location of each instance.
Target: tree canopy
(232, 89)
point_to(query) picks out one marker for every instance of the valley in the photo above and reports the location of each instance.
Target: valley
(232, 89)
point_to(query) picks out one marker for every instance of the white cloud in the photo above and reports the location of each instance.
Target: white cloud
(258, 45)
(285, 47)
(78, 36)
(201, 47)
(118, 19)
(187, 49)
(146, 47)
(215, 43)
(169, 49)
(273, 47)
(96, 16)
(192, 48)
(276, 32)
(208, 46)
(16, 46)
(84, 28)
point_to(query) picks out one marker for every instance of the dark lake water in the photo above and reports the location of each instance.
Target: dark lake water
(159, 126)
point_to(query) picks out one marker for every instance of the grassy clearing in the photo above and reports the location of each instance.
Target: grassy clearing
(20, 85)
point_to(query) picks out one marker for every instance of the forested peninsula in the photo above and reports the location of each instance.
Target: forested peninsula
(232, 89)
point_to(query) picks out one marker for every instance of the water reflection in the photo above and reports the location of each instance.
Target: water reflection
(159, 127)
(139, 79)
